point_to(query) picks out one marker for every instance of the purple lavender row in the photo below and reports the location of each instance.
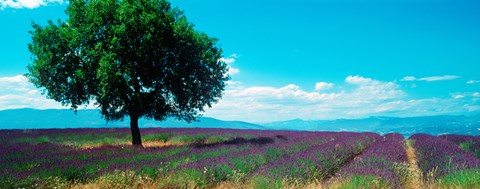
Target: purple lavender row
(439, 157)
(203, 153)
(318, 161)
(246, 161)
(106, 158)
(466, 142)
(380, 159)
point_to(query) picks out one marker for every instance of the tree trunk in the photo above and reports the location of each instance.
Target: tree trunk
(136, 138)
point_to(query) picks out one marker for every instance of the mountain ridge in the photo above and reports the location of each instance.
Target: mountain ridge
(90, 118)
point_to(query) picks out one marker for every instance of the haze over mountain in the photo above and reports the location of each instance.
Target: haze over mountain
(62, 118)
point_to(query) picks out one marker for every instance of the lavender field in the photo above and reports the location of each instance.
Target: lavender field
(228, 158)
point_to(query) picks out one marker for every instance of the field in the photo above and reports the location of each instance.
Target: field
(227, 158)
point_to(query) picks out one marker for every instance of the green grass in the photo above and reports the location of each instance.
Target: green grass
(160, 137)
(218, 138)
(361, 181)
(262, 182)
(187, 178)
(469, 146)
(461, 179)
(189, 139)
(79, 140)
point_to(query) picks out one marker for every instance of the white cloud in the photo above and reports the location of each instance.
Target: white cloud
(233, 83)
(233, 71)
(17, 83)
(471, 108)
(358, 80)
(464, 95)
(266, 103)
(356, 98)
(431, 78)
(18, 92)
(229, 61)
(323, 86)
(473, 81)
(30, 4)
(409, 78)
(439, 78)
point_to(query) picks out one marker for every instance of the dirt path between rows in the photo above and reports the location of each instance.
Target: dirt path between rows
(414, 177)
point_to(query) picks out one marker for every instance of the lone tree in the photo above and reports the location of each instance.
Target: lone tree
(136, 58)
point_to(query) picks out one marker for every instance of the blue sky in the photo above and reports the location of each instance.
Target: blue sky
(308, 59)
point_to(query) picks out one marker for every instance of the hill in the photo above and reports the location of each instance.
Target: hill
(435, 125)
(63, 118)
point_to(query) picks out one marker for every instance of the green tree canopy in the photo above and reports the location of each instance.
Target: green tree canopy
(136, 58)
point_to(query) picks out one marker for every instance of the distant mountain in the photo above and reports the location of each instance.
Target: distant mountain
(435, 125)
(63, 118)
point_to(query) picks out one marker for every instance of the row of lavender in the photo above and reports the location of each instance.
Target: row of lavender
(466, 142)
(270, 153)
(305, 159)
(30, 163)
(385, 159)
(437, 157)
(274, 155)
(318, 162)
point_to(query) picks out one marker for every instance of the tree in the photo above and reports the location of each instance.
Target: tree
(136, 58)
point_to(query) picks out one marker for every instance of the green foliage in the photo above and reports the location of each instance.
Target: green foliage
(218, 138)
(362, 181)
(78, 140)
(470, 146)
(160, 137)
(262, 182)
(33, 140)
(120, 179)
(73, 174)
(137, 58)
(150, 171)
(187, 178)
(273, 153)
(466, 145)
(461, 179)
(189, 139)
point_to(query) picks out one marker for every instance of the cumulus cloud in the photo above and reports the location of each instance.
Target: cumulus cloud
(323, 86)
(229, 61)
(431, 78)
(409, 78)
(266, 103)
(358, 97)
(18, 92)
(358, 80)
(369, 88)
(30, 4)
(473, 81)
(17, 83)
(464, 95)
(233, 71)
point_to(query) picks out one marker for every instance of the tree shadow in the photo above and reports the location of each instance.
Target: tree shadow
(281, 137)
(238, 141)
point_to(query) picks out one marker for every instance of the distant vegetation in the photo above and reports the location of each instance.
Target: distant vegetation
(228, 158)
